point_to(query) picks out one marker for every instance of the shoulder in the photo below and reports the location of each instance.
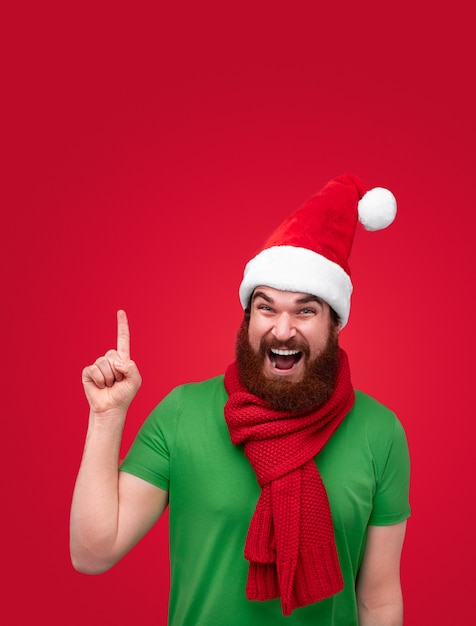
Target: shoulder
(370, 415)
(372, 408)
(189, 400)
(375, 426)
(210, 385)
(205, 390)
(185, 409)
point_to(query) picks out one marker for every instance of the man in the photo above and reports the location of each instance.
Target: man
(288, 490)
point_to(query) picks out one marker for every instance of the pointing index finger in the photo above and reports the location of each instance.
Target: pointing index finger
(123, 336)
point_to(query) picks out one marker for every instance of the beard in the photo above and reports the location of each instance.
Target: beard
(316, 385)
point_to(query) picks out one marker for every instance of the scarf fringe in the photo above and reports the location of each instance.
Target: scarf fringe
(290, 579)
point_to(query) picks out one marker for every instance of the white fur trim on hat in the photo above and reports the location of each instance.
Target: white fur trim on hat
(290, 268)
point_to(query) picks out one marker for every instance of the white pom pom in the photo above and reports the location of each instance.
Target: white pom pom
(377, 209)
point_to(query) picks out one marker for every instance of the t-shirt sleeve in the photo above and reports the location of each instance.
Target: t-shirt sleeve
(391, 499)
(149, 455)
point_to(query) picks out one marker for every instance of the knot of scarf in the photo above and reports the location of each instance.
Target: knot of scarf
(290, 543)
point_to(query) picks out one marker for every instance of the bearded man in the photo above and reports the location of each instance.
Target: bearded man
(288, 489)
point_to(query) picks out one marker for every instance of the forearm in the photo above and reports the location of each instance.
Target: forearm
(389, 614)
(95, 506)
(378, 588)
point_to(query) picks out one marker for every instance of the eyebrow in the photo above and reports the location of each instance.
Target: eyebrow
(260, 294)
(303, 300)
(310, 298)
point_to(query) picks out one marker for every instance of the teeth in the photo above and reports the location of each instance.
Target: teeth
(284, 352)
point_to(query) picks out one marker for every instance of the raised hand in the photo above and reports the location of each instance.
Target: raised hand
(112, 381)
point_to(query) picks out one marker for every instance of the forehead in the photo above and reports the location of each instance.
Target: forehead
(271, 294)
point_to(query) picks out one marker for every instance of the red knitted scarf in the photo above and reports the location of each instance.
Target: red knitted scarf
(290, 543)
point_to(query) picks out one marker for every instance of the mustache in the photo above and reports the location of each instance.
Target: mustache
(267, 343)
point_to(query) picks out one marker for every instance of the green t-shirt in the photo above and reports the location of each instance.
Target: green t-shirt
(184, 447)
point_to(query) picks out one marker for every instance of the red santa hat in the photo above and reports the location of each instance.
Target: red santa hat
(309, 251)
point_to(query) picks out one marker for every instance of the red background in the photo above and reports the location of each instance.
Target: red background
(149, 151)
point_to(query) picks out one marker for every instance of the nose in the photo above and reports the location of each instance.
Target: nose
(283, 328)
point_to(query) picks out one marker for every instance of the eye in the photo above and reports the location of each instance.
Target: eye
(307, 311)
(264, 307)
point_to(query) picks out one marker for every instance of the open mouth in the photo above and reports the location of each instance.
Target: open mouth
(284, 359)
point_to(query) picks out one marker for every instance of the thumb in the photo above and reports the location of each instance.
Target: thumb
(122, 367)
(128, 369)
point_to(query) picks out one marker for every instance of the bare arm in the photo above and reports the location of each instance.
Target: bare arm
(379, 593)
(111, 510)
